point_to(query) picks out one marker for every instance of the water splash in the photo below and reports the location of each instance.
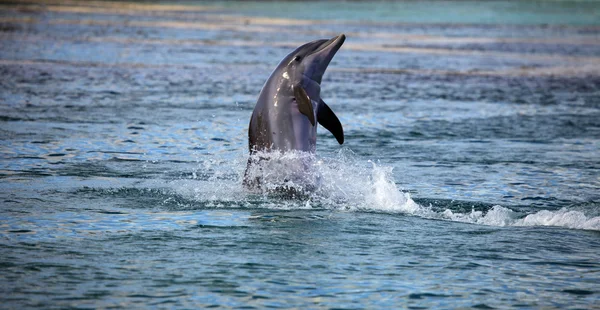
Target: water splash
(344, 182)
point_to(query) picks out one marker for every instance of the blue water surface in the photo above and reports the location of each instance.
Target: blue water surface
(469, 176)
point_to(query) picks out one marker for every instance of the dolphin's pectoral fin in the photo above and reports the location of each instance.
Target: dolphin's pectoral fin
(329, 120)
(304, 103)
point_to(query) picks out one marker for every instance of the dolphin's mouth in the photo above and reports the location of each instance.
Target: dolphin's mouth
(332, 44)
(318, 59)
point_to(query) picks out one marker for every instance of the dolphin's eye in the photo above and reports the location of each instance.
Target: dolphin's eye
(297, 58)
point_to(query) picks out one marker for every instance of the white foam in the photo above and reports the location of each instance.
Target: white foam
(562, 218)
(496, 216)
(501, 216)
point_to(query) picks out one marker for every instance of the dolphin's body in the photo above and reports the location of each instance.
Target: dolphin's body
(289, 106)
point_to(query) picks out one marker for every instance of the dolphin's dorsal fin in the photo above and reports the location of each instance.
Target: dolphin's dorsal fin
(329, 120)
(304, 103)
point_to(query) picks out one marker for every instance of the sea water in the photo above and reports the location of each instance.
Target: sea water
(469, 176)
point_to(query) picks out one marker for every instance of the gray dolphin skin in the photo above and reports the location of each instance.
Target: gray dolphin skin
(289, 105)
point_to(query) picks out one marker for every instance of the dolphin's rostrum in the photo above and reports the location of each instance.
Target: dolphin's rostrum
(290, 104)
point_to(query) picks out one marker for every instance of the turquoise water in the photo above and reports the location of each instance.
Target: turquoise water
(425, 12)
(468, 178)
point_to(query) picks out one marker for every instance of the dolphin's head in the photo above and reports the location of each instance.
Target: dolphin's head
(311, 59)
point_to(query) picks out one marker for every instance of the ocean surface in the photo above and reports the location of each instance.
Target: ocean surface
(470, 175)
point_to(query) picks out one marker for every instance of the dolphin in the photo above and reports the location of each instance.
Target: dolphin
(289, 105)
